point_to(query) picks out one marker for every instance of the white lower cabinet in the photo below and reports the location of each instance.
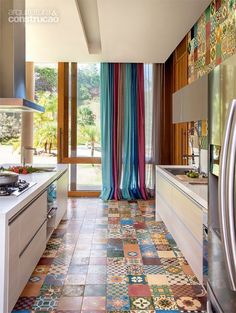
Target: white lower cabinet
(184, 219)
(27, 242)
(62, 191)
(27, 237)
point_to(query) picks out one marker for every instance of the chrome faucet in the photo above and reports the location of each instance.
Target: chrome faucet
(23, 149)
(200, 140)
(190, 156)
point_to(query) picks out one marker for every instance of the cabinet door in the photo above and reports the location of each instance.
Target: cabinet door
(180, 143)
(27, 241)
(31, 255)
(62, 196)
(13, 274)
(179, 131)
(31, 219)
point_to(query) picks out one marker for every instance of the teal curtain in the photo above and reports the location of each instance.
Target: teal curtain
(106, 130)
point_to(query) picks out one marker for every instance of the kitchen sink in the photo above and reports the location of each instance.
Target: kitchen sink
(178, 171)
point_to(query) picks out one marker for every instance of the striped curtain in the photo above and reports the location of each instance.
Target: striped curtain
(123, 131)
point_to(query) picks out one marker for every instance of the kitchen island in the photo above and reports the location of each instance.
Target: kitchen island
(183, 209)
(25, 226)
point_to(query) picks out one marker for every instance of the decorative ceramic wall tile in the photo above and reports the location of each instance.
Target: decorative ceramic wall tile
(212, 39)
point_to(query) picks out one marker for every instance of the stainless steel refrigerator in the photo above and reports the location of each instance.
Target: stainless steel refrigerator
(222, 189)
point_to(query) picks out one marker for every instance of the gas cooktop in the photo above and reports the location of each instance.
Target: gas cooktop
(15, 189)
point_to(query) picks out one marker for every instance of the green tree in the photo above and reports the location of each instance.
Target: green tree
(47, 136)
(91, 134)
(88, 82)
(45, 124)
(86, 116)
(10, 125)
(45, 79)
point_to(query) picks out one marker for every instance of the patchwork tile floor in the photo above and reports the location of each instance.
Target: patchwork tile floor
(112, 257)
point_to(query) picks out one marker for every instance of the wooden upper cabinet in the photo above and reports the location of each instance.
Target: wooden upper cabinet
(180, 130)
(181, 65)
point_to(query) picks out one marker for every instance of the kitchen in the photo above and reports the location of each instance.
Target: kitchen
(117, 182)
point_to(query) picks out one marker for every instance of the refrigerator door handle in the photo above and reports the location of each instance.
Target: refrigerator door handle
(226, 195)
(209, 307)
(212, 303)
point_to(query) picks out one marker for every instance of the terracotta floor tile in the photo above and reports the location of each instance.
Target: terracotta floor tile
(157, 279)
(73, 291)
(73, 279)
(132, 251)
(78, 269)
(139, 291)
(93, 311)
(96, 279)
(70, 303)
(46, 261)
(33, 286)
(95, 290)
(98, 261)
(94, 303)
(151, 261)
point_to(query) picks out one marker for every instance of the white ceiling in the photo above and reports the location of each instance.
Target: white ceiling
(129, 30)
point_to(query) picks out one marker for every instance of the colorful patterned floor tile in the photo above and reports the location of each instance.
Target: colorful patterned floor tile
(24, 303)
(136, 279)
(45, 303)
(117, 290)
(135, 269)
(153, 269)
(141, 303)
(112, 257)
(164, 303)
(161, 290)
(121, 303)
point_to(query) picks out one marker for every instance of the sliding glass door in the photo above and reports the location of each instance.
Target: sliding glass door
(79, 126)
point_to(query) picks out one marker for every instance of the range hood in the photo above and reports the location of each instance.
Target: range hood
(12, 60)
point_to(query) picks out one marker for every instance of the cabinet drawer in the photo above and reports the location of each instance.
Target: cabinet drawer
(31, 255)
(164, 188)
(31, 219)
(189, 213)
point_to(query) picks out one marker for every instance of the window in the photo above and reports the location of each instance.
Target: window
(79, 125)
(10, 137)
(45, 124)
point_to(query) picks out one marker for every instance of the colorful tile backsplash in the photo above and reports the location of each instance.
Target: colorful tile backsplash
(212, 39)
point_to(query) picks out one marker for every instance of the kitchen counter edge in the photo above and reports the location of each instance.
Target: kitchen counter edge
(10, 205)
(184, 187)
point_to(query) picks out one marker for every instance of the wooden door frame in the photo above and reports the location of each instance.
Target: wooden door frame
(63, 124)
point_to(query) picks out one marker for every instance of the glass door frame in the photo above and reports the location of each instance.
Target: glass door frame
(67, 88)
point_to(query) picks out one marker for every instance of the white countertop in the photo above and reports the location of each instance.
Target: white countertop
(198, 193)
(10, 205)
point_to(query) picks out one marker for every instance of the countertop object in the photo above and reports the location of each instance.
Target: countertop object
(189, 180)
